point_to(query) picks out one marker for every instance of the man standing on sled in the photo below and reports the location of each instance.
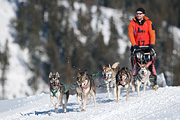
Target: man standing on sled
(142, 33)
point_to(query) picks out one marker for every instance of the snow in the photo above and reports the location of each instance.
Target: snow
(5, 19)
(81, 6)
(99, 23)
(176, 37)
(163, 104)
(17, 57)
(16, 84)
(102, 23)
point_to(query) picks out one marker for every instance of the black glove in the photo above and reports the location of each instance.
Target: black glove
(135, 47)
(151, 49)
(151, 46)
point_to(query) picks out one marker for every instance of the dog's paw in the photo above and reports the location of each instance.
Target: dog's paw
(83, 110)
(91, 101)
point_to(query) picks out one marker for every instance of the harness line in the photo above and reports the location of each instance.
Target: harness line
(96, 85)
(54, 93)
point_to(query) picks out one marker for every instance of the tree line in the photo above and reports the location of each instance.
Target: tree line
(43, 26)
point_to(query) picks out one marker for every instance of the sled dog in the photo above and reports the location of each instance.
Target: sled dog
(85, 86)
(142, 77)
(58, 90)
(124, 78)
(109, 77)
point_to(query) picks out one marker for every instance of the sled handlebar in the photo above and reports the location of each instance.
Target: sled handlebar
(144, 48)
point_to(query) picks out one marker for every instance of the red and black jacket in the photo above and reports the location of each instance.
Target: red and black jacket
(141, 34)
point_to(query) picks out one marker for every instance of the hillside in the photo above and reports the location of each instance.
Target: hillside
(163, 104)
(69, 36)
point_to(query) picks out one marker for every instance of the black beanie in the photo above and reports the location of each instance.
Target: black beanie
(141, 9)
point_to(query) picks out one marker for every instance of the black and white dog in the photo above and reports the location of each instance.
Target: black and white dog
(85, 86)
(109, 77)
(59, 91)
(124, 78)
(142, 77)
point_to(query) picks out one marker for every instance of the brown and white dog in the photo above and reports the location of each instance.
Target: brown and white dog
(59, 91)
(109, 77)
(124, 78)
(85, 86)
(142, 77)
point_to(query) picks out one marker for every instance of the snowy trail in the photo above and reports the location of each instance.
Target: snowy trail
(157, 105)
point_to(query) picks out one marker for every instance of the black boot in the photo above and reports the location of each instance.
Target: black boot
(134, 79)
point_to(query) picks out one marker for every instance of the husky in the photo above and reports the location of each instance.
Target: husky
(85, 86)
(142, 77)
(109, 77)
(59, 91)
(124, 78)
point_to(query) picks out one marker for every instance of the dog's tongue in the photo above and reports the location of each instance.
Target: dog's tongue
(105, 78)
(122, 82)
(85, 87)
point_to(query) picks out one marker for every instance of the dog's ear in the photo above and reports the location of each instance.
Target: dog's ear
(126, 69)
(103, 66)
(57, 75)
(115, 65)
(119, 68)
(109, 66)
(85, 73)
(50, 74)
(79, 75)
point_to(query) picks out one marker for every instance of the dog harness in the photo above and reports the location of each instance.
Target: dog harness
(54, 93)
(139, 78)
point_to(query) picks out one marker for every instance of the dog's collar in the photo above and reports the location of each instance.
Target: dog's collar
(121, 84)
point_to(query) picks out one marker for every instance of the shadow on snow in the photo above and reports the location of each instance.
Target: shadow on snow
(49, 112)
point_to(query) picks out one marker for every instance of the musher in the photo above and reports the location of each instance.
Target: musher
(142, 33)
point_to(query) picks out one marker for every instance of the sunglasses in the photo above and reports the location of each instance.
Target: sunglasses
(139, 13)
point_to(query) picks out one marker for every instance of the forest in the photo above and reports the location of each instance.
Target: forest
(54, 40)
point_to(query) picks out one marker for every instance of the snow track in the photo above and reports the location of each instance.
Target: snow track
(163, 104)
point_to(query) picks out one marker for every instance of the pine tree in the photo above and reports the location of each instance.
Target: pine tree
(4, 66)
(100, 51)
(176, 69)
(34, 44)
(52, 51)
(113, 42)
(20, 25)
(89, 62)
(67, 43)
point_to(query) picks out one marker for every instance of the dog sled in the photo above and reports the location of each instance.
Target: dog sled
(145, 56)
